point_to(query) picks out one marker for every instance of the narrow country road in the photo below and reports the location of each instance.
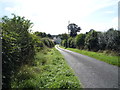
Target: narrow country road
(91, 72)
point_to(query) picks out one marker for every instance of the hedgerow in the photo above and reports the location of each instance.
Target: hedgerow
(19, 46)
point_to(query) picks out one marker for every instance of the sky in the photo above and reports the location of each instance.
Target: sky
(52, 16)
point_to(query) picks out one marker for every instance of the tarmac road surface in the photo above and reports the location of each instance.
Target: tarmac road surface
(91, 72)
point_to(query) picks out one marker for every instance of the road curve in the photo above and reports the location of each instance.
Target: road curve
(91, 72)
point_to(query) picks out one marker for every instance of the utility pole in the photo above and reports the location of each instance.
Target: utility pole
(68, 24)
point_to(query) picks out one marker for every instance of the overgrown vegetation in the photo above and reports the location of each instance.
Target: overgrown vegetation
(111, 59)
(94, 41)
(19, 46)
(43, 34)
(49, 70)
(29, 59)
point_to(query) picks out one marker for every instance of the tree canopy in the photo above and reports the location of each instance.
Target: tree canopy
(73, 29)
(95, 41)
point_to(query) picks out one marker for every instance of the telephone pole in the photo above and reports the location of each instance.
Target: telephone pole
(68, 25)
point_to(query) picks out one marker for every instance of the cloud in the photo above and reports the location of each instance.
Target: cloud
(109, 12)
(115, 20)
(10, 9)
(52, 16)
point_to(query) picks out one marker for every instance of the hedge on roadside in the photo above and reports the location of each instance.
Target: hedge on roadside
(17, 46)
(48, 42)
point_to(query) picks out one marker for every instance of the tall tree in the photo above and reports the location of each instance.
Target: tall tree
(73, 29)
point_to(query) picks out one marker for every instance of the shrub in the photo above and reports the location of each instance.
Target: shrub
(18, 46)
(48, 42)
(91, 41)
(64, 43)
(80, 40)
(71, 42)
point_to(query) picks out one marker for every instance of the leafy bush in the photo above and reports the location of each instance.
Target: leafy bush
(48, 42)
(71, 42)
(91, 41)
(43, 34)
(18, 46)
(80, 40)
(109, 40)
(64, 43)
(39, 45)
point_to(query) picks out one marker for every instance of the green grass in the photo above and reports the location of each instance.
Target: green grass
(99, 56)
(49, 70)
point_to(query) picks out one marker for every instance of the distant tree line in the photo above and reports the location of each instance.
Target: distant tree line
(45, 38)
(93, 40)
(19, 45)
(43, 34)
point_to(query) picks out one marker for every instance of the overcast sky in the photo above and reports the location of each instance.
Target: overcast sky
(52, 16)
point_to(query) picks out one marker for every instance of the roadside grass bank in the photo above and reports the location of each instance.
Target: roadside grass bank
(99, 56)
(49, 70)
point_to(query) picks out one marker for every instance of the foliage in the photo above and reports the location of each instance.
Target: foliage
(63, 36)
(94, 41)
(80, 40)
(91, 41)
(18, 45)
(49, 36)
(106, 42)
(48, 42)
(42, 34)
(109, 40)
(54, 73)
(71, 42)
(38, 44)
(102, 41)
(73, 29)
(64, 43)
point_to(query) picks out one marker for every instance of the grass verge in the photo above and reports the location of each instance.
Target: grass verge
(99, 56)
(49, 70)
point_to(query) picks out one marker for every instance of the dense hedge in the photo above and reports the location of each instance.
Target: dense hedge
(91, 41)
(64, 43)
(18, 46)
(95, 41)
(80, 41)
(71, 42)
(48, 42)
